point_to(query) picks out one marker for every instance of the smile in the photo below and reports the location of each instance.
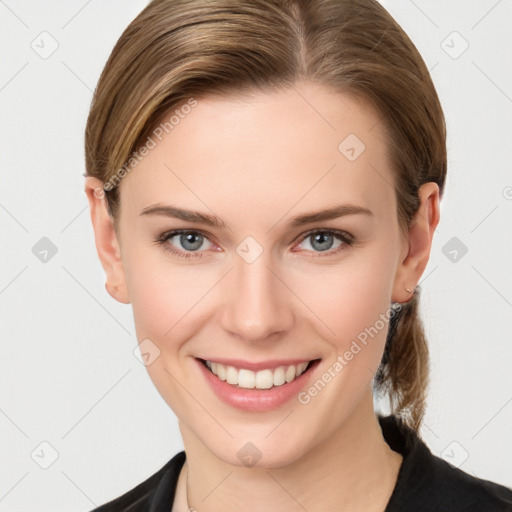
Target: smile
(263, 379)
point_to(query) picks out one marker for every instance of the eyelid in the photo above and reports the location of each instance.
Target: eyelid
(339, 232)
(181, 231)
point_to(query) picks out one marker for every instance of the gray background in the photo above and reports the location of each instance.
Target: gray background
(69, 378)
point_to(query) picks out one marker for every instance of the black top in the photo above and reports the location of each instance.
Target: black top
(425, 483)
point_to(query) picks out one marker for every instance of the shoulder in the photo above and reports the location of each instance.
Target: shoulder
(428, 483)
(158, 489)
(459, 491)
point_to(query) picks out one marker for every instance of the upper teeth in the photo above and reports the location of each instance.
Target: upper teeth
(264, 379)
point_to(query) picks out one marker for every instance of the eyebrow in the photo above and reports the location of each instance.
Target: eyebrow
(188, 215)
(331, 213)
(213, 221)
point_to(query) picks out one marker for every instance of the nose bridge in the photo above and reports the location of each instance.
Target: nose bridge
(257, 306)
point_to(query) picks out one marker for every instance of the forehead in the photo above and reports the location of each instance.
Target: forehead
(306, 144)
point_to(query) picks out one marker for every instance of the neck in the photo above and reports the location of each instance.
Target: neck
(336, 474)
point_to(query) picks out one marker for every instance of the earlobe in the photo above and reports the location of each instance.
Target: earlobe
(419, 243)
(107, 244)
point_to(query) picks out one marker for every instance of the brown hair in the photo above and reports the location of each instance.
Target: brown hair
(178, 50)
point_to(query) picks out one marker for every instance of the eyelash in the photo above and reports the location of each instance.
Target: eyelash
(162, 240)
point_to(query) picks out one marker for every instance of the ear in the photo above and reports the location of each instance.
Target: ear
(107, 244)
(418, 243)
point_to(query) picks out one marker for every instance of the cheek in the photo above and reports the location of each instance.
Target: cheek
(166, 296)
(351, 295)
(167, 301)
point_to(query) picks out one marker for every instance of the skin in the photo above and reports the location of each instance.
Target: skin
(257, 162)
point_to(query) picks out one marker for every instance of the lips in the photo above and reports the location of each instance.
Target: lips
(257, 400)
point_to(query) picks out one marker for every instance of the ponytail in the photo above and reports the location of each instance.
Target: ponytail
(404, 370)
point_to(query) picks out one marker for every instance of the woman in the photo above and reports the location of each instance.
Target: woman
(264, 181)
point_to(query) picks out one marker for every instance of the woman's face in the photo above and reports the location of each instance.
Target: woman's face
(257, 285)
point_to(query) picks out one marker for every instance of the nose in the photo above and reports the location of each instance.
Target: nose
(258, 302)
